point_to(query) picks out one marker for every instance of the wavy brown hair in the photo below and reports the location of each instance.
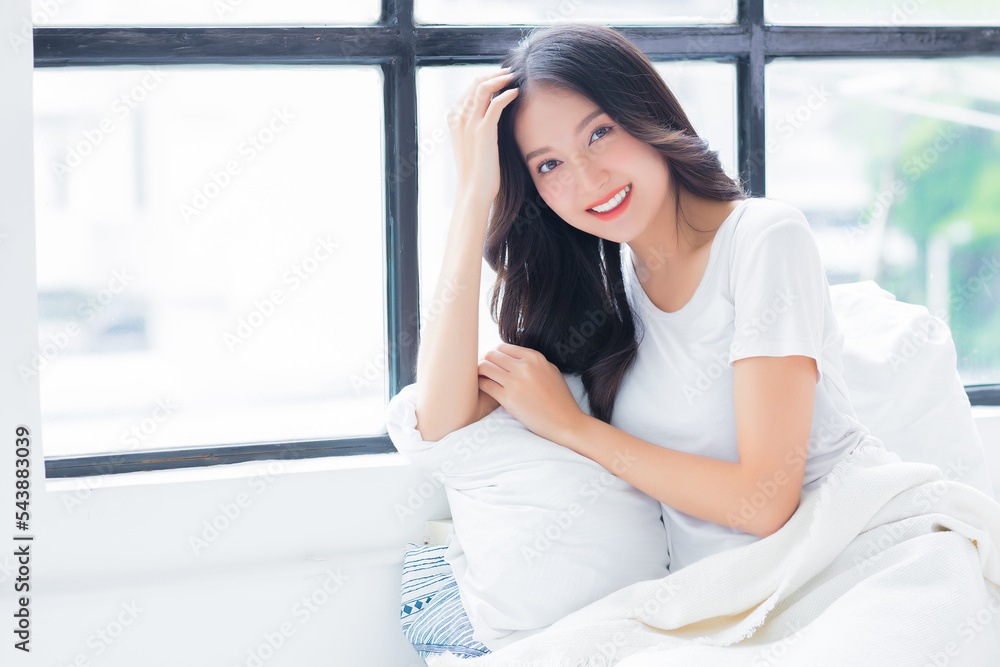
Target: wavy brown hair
(559, 290)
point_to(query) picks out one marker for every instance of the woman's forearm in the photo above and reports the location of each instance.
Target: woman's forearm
(723, 492)
(448, 356)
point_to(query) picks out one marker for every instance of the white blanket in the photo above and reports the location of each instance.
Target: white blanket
(886, 563)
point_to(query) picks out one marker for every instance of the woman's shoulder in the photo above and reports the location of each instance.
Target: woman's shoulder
(762, 214)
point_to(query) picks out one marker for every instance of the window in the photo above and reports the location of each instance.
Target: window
(196, 228)
(894, 164)
(159, 236)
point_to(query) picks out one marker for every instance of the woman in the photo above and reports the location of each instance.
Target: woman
(699, 319)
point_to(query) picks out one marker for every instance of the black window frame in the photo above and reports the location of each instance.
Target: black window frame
(398, 47)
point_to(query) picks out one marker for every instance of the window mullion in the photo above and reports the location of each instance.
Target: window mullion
(750, 99)
(402, 286)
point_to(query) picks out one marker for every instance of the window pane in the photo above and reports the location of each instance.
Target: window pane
(203, 12)
(895, 164)
(882, 12)
(209, 255)
(706, 91)
(535, 12)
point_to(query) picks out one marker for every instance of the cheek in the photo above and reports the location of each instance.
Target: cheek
(554, 191)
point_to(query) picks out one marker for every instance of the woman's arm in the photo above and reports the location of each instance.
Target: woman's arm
(774, 407)
(448, 394)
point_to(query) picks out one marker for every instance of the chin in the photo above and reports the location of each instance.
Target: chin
(613, 238)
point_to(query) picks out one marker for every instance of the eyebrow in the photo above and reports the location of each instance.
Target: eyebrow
(579, 128)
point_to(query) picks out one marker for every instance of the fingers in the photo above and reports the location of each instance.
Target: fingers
(470, 92)
(498, 103)
(514, 351)
(485, 91)
(473, 103)
(490, 387)
(500, 359)
(461, 107)
(491, 371)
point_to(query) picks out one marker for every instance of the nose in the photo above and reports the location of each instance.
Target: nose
(592, 175)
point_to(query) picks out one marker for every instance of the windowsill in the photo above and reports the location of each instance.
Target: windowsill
(229, 471)
(275, 467)
(985, 411)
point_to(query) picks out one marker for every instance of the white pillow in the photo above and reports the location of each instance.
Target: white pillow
(901, 370)
(539, 530)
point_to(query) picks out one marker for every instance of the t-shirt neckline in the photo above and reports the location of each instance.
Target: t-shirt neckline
(713, 252)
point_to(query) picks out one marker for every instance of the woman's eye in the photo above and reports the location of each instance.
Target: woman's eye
(542, 164)
(603, 127)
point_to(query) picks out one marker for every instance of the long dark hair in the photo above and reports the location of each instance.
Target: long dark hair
(559, 290)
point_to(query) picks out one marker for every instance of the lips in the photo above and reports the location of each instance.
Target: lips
(617, 210)
(607, 198)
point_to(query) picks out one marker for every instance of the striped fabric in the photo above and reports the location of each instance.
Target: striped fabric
(431, 611)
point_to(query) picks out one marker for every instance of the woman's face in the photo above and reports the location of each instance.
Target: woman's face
(579, 157)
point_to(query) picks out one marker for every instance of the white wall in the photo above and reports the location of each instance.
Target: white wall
(315, 529)
(988, 421)
(18, 311)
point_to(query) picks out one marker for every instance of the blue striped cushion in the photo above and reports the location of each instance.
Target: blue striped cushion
(431, 611)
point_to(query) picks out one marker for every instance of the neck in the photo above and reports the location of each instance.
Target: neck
(668, 242)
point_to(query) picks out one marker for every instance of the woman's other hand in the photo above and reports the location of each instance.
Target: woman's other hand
(531, 389)
(473, 124)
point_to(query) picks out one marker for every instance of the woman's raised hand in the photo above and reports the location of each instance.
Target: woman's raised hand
(473, 123)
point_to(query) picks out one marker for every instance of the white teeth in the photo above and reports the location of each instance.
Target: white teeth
(613, 202)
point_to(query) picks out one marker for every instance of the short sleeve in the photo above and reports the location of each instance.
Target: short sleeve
(780, 292)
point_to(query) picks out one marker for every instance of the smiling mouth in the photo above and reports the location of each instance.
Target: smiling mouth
(620, 203)
(614, 202)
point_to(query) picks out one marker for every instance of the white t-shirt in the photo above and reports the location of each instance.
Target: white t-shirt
(764, 293)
